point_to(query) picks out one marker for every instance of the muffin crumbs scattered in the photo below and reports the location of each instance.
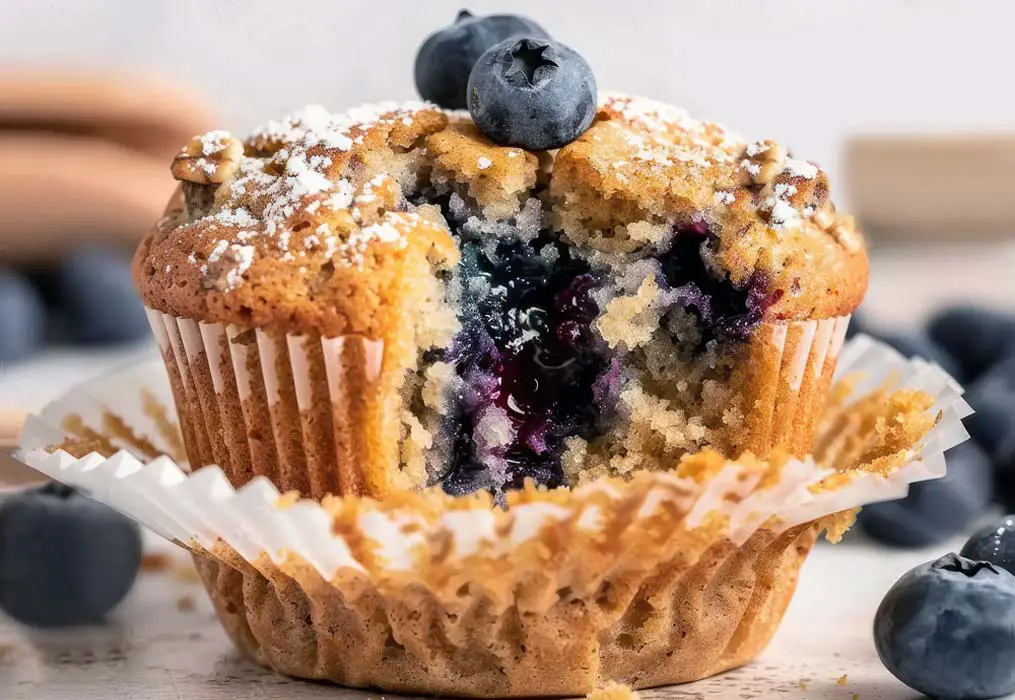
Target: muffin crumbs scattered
(613, 691)
(155, 562)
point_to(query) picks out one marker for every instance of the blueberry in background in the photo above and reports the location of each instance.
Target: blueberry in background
(64, 558)
(994, 543)
(937, 509)
(533, 93)
(22, 316)
(976, 336)
(947, 629)
(858, 323)
(918, 345)
(446, 58)
(93, 290)
(992, 397)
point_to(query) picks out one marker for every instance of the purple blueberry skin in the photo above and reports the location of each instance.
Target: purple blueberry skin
(919, 345)
(994, 543)
(22, 317)
(947, 629)
(992, 397)
(532, 92)
(95, 293)
(977, 337)
(64, 559)
(447, 57)
(937, 509)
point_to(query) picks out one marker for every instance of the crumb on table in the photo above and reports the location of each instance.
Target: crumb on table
(186, 573)
(804, 684)
(185, 603)
(613, 691)
(842, 679)
(155, 562)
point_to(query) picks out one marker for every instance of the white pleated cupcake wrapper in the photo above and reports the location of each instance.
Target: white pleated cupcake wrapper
(825, 337)
(202, 507)
(186, 340)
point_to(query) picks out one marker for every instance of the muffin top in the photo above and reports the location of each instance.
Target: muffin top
(308, 223)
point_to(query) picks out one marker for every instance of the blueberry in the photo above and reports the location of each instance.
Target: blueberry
(947, 629)
(447, 56)
(976, 336)
(938, 509)
(64, 558)
(992, 396)
(859, 323)
(994, 543)
(919, 345)
(95, 291)
(532, 92)
(22, 316)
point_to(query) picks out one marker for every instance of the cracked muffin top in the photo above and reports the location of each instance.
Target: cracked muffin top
(316, 223)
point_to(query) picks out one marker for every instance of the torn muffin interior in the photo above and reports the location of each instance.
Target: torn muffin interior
(567, 366)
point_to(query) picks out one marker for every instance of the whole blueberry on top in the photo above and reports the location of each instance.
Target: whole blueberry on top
(446, 58)
(947, 629)
(64, 558)
(994, 543)
(533, 93)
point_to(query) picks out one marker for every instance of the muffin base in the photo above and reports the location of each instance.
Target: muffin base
(670, 623)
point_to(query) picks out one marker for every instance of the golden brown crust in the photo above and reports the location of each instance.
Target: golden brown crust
(286, 246)
(647, 162)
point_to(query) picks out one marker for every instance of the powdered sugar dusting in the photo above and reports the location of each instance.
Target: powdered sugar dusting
(801, 168)
(387, 232)
(663, 134)
(293, 174)
(724, 197)
(214, 141)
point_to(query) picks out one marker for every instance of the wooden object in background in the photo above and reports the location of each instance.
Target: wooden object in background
(86, 158)
(13, 474)
(931, 187)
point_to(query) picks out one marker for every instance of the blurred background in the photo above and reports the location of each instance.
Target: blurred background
(905, 102)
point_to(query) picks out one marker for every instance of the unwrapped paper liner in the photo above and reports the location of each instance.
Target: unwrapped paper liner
(558, 593)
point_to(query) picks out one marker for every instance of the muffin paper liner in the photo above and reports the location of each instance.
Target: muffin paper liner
(288, 407)
(784, 374)
(665, 578)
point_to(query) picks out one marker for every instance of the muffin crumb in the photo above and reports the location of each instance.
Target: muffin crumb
(613, 691)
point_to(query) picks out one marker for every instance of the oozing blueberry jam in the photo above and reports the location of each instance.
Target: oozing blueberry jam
(725, 311)
(532, 376)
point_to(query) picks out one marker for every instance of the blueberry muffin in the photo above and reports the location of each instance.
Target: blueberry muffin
(397, 297)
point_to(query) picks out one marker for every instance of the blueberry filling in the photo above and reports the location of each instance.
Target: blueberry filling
(532, 372)
(725, 311)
